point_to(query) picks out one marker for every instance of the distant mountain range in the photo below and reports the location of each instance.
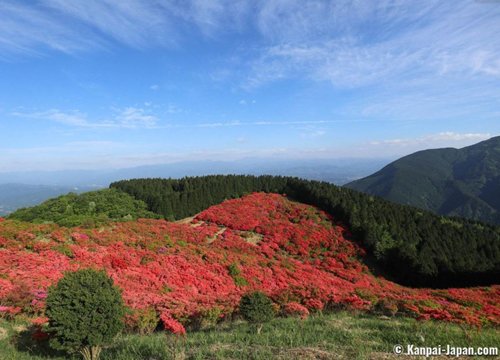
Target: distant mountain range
(458, 182)
(15, 196)
(21, 189)
(338, 171)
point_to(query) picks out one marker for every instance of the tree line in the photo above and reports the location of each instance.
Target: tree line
(412, 246)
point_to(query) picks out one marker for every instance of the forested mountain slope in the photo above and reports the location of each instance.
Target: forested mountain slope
(416, 247)
(457, 182)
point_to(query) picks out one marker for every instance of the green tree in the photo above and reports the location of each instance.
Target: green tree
(85, 312)
(257, 308)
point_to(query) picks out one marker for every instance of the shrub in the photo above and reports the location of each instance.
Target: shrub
(20, 296)
(314, 304)
(206, 318)
(172, 325)
(296, 309)
(144, 321)
(387, 307)
(235, 272)
(257, 308)
(85, 312)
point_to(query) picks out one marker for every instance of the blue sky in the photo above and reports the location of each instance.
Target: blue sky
(109, 84)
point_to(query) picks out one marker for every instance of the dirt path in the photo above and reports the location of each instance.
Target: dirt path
(213, 238)
(189, 221)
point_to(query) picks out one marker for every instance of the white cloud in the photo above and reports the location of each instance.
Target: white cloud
(135, 117)
(73, 147)
(313, 133)
(132, 117)
(109, 154)
(363, 43)
(71, 118)
(81, 25)
(448, 138)
(349, 43)
(132, 22)
(268, 123)
(129, 117)
(28, 29)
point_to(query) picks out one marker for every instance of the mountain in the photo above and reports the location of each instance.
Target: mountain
(338, 171)
(15, 196)
(22, 189)
(196, 270)
(457, 182)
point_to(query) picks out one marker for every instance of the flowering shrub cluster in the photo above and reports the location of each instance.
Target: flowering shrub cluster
(296, 309)
(296, 254)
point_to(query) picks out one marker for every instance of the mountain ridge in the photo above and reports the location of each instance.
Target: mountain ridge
(456, 182)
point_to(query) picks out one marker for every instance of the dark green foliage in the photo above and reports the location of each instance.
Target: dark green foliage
(88, 209)
(256, 307)
(463, 182)
(177, 199)
(85, 310)
(416, 247)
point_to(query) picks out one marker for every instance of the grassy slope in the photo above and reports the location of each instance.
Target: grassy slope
(333, 336)
(462, 182)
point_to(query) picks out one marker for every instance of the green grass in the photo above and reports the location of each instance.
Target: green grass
(333, 336)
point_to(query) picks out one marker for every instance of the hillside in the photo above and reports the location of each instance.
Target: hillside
(198, 270)
(414, 247)
(15, 196)
(90, 208)
(456, 182)
(405, 244)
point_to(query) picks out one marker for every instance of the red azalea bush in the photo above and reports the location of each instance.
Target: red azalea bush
(292, 252)
(296, 309)
(172, 325)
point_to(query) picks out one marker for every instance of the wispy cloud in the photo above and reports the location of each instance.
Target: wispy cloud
(129, 117)
(344, 42)
(72, 147)
(336, 44)
(132, 22)
(135, 117)
(311, 132)
(448, 138)
(71, 118)
(28, 29)
(82, 25)
(267, 123)
(132, 117)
